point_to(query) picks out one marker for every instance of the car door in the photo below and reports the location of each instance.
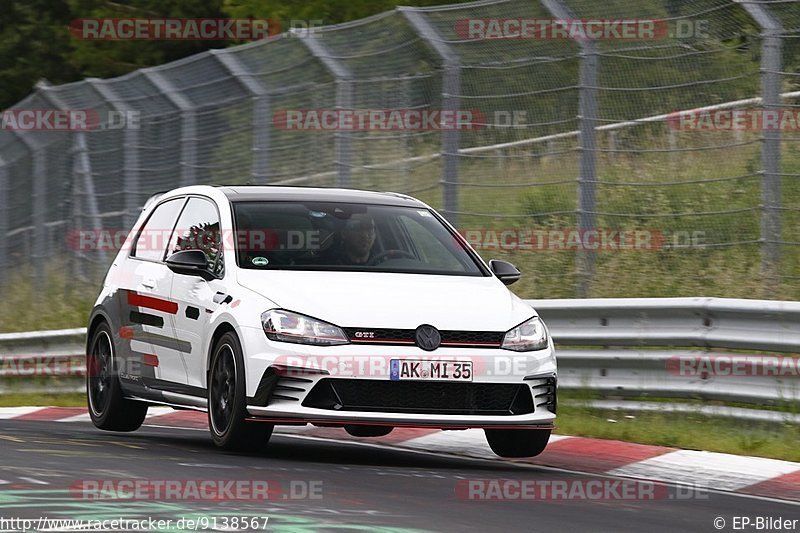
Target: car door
(147, 311)
(198, 228)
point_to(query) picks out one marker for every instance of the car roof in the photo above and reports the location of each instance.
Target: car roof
(255, 193)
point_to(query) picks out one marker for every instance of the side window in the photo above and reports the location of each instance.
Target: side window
(152, 240)
(198, 229)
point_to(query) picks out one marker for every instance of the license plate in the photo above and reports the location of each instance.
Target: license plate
(418, 369)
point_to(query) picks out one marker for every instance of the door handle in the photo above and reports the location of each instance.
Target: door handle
(149, 284)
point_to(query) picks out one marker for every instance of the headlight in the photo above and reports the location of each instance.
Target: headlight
(528, 336)
(286, 326)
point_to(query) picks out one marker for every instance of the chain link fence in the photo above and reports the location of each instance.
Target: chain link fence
(587, 162)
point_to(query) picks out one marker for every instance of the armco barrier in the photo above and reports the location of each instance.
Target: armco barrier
(620, 347)
(634, 347)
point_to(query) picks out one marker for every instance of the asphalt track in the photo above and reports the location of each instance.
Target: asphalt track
(360, 487)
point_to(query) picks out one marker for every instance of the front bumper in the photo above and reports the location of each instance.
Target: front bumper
(276, 396)
(323, 417)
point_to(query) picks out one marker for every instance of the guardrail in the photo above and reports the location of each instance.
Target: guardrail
(762, 325)
(42, 361)
(656, 347)
(638, 347)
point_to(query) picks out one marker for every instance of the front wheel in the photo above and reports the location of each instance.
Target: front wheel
(517, 442)
(227, 402)
(108, 407)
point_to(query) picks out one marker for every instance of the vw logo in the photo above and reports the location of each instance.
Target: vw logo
(427, 337)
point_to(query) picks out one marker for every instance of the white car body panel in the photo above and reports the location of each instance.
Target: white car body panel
(345, 299)
(405, 300)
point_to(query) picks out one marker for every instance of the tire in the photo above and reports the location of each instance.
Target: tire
(227, 402)
(517, 442)
(358, 430)
(108, 407)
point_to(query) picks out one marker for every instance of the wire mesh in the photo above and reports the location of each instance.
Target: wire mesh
(677, 209)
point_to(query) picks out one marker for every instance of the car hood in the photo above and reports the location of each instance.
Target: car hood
(384, 300)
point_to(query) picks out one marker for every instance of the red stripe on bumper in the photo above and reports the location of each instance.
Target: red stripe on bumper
(140, 300)
(150, 360)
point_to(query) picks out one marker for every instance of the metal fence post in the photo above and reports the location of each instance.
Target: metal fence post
(771, 66)
(38, 208)
(587, 115)
(587, 182)
(4, 216)
(130, 152)
(85, 184)
(261, 113)
(344, 100)
(188, 125)
(451, 91)
(39, 216)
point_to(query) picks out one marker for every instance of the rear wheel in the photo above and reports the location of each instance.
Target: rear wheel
(358, 430)
(108, 407)
(517, 442)
(227, 402)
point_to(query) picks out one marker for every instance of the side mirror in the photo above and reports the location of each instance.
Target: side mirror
(191, 262)
(505, 271)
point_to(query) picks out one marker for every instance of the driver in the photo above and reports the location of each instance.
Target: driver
(358, 236)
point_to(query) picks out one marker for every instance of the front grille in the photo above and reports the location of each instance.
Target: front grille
(452, 338)
(420, 397)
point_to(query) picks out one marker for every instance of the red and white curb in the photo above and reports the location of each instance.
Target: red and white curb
(755, 476)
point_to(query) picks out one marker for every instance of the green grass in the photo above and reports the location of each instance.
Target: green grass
(19, 399)
(686, 431)
(636, 191)
(60, 304)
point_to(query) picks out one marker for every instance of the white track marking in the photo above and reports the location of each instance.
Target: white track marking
(14, 412)
(83, 417)
(469, 442)
(707, 469)
(293, 430)
(156, 411)
(34, 481)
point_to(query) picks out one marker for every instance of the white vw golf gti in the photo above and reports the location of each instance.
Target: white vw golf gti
(277, 305)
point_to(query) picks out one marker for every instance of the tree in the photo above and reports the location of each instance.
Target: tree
(104, 59)
(34, 43)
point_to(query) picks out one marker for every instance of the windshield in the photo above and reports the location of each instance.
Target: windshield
(355, 237)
